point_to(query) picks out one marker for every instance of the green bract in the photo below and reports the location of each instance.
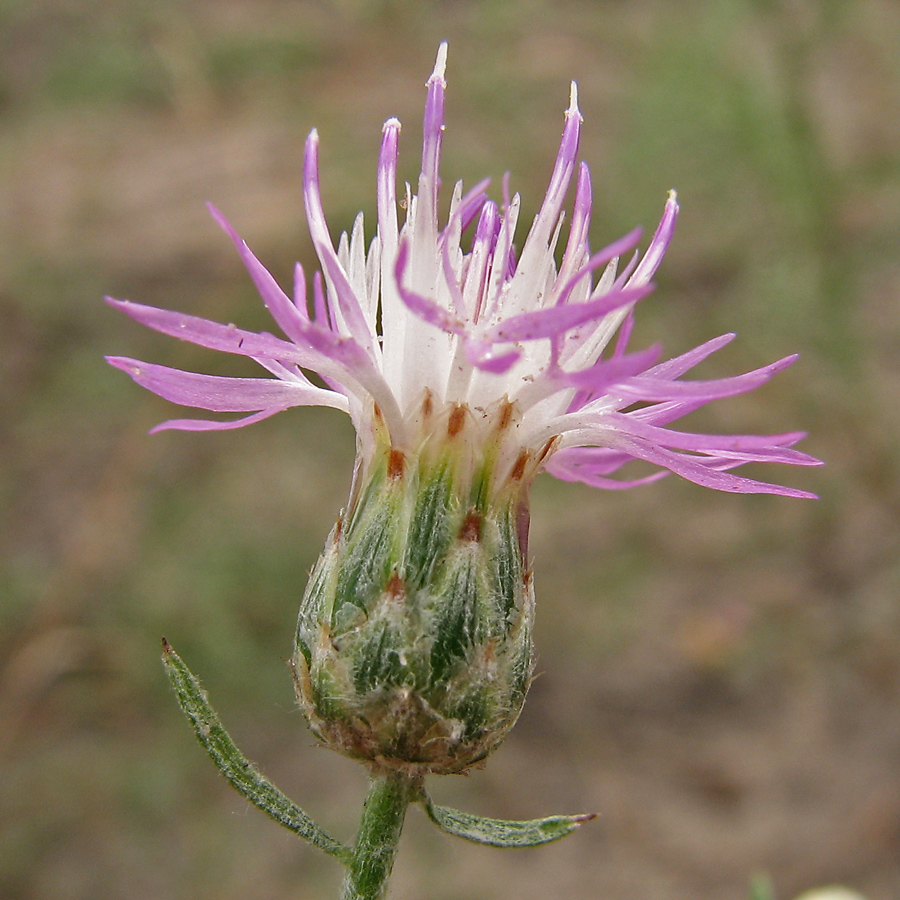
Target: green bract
(413, 646)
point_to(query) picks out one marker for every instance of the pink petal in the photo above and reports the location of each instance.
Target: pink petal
(208, 425)
(643, 387)
(608, 372)
(484, 356)
(598, 460)
(746, 447)
(351, 310)
(678, 365)
(289, 318)
(545, 220)
(424, 307)
(228, 338)
(658, 244)
(723, 444)
(544, 323)
(386, 188)
(576, 247)
(471, 203)
(591, 478)
(433, 131)
(695, 470)
(598, 260)
(224, 394)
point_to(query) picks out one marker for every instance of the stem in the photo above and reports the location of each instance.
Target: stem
(379, 831)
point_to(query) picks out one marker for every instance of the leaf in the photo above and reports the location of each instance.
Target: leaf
(237, 769)
(503, 832)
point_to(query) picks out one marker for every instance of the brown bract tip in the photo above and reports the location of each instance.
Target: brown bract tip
(471, 526)
(456, 421)
(549, 447)
(396, 587)
(506, 415)
(396, 464)
(518, 470)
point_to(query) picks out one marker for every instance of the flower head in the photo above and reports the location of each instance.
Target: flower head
(417, 322)
(465, 372)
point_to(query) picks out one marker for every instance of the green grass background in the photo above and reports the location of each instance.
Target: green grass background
(719, 676)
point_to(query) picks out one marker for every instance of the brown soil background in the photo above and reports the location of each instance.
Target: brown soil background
(719, 676)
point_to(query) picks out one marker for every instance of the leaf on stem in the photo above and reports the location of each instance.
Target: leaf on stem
(237, 769)
(503, 832)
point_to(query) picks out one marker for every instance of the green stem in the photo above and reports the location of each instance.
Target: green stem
(379, 831)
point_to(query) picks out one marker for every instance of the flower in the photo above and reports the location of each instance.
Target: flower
(465, 374)
(418, 315)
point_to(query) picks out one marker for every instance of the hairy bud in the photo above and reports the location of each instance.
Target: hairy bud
(413, 646)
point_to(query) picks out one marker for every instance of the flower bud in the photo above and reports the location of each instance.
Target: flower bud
(413, 646)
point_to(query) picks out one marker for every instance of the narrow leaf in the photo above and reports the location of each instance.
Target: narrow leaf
(238, 771)
(503, 832)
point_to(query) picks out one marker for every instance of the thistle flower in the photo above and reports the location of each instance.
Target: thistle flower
(465, 373)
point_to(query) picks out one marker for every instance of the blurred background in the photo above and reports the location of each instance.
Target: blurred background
(718, 676)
